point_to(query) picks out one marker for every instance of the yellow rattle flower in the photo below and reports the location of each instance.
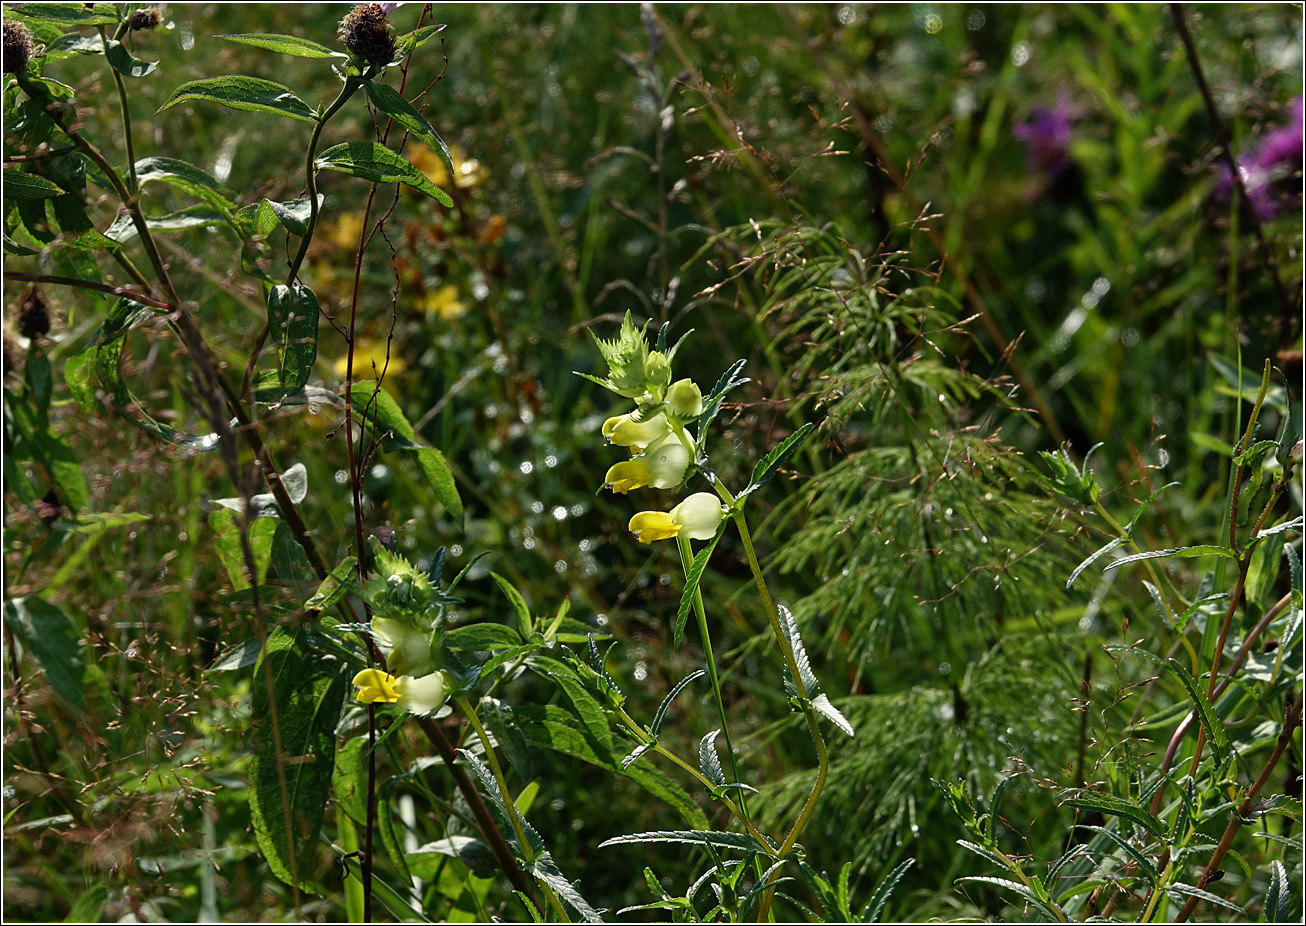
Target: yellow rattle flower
(628, 431)
(696, 518)
(662, 466)
(424, 695)
(374, 685)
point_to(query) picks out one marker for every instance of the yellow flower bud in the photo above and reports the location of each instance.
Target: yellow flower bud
(685, 399)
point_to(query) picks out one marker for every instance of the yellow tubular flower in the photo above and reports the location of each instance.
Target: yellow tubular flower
(667, 460)
(648, 526)
(625, 431)
(424, 695)
(627, 475)
(696, 518)
(374, 685)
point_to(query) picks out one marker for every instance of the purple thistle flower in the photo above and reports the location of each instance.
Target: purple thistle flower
(1047, 135)
(1277, 156)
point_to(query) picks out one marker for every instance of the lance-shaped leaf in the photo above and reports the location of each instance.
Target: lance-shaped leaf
(692, 579)
(661, 716)
(185, 177)
(239, 91)
(733, 841)
(767, 467)
(1182, 552)
(1205, 712)
(368, 160)
(79, 14)
(284, 44)
(391, 102)
(21, 185)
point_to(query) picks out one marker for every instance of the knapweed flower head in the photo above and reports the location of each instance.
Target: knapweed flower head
(696, 518)
(1277, 158)
(1047, 135)
(421, 695)
(634, 371)
(148, 18)
(366, 32)
(19, 45)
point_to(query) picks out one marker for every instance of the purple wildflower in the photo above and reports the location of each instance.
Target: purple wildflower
(1047, 137)
(1277, 157)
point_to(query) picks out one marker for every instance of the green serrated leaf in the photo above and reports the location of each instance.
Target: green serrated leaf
(519, 609)
(732, 841)
(22, 185)
(708, 760)
(767, 467)
(1215, 732)
(99, 14)
(483, 637)
(661, 716)
(1109, 804)
(185, 177)
(1182, 552)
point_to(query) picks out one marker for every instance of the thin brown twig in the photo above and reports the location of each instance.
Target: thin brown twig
(1288, 309)
(109, 288)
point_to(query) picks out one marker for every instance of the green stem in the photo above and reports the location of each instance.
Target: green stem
(134, 186)
(687, 558)
(509, 806)
(822, 755)
(645, 737)
(310, 171)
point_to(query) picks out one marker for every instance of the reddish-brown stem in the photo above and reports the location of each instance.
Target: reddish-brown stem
(1291, 721)
(88, 284)
(1243, 651)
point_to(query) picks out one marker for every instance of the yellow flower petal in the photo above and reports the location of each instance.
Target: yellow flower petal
(375, 685)
(627, 475)
(648, 526)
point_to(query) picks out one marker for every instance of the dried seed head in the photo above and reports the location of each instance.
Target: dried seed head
(367, 34)
(148, 18)
(19, 46)
(33, 316)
